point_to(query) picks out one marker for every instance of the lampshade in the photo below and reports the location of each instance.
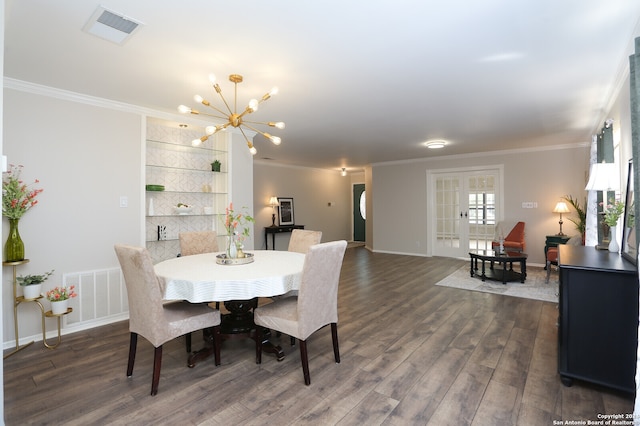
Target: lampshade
(603, 177)
(561, 207)
(273, 201)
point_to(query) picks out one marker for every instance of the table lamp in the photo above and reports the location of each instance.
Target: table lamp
(603, 177)
(273, 202)
(561, 207)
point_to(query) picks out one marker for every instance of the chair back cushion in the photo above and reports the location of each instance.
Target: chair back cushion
(318, 293)
(302, 239)
(198, 242)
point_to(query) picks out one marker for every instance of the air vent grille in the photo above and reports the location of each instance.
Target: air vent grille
(111, 25)
(117, 22)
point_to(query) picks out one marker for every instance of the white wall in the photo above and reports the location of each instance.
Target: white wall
(311, 190)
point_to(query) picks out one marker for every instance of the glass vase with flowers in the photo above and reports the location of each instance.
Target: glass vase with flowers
(17, 199)
(237, 227)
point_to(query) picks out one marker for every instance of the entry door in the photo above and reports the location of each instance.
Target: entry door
(466, 207)
(359, 212)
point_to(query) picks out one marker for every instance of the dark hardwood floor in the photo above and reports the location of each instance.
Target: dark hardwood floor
(412, 353)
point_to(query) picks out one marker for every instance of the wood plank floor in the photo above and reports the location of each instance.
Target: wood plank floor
(412, 353)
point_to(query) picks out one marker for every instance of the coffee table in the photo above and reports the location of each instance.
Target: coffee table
(504, 274)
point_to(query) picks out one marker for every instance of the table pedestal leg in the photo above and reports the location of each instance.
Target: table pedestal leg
(238, 323)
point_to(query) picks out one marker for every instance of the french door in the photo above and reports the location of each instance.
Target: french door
(465, 206)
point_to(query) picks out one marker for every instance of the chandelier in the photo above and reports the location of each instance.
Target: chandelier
(234, 119)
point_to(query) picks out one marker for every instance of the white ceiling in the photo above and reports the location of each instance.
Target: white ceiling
(360, 81)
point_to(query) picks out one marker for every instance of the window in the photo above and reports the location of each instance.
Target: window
(482, 209)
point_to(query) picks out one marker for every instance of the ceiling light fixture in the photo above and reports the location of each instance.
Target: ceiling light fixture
(234, 119)
(435, 144)
(343, 172)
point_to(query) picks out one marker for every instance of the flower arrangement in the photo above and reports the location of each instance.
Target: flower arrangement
(233, 221)
(612, 212)
(33, 279)
(61, 293)
(17, 196)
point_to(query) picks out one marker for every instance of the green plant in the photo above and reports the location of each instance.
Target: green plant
(581, 221)
(215, 165)
(33, 279)
(61, 293)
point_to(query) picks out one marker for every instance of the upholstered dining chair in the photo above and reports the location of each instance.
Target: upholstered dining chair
(315, 306)
(302, 239)
(150, 317)
(198, 242)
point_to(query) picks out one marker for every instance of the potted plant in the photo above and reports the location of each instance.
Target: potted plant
(581, 221)
(59, 298)
(32, 284)
(215, 166)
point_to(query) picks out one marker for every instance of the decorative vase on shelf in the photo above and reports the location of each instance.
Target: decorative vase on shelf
(613, 243)
(232, 248)
(59, 307)
(14, 247)
(31, 291)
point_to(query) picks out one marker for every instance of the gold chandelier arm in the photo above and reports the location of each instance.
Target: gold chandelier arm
(209, 115)
(275, 139)
(219, 92)
(278, 124)
(224, 114)
(249, 143)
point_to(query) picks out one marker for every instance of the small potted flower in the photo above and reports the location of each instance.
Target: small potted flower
(59, 298)
(215, 166)
(32, 284)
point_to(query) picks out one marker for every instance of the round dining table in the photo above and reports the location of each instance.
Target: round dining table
(200, 278)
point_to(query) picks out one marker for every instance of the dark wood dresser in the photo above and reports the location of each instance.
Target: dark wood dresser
(598, 317)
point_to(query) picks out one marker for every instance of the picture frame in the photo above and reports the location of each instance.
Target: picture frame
(285, 211)
(629, 245)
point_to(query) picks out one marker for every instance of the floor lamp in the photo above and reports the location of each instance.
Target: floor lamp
(603, 177)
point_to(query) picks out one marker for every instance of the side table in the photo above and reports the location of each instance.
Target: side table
(273, 230)
(553, 241)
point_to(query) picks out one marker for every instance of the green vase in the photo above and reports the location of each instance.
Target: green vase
(14, 247)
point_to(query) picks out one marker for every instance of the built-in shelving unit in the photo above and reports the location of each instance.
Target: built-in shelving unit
(185, 172)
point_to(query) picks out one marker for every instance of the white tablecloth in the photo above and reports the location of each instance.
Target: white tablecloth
(199, 278)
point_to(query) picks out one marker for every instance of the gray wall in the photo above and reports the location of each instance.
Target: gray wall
(543, 176)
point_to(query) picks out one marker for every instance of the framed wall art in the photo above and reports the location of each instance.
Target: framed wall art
(285, 211)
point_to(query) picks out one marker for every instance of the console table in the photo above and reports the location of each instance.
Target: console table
(598, 317)
(273, 230)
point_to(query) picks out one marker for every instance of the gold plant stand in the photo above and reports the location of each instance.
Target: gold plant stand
(17, 300)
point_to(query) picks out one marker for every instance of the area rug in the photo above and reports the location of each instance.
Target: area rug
(534, 287)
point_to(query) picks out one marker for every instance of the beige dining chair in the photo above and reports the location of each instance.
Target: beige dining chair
(300, 242)
(315, 306)
(198, 242)
(150, 317)
(302, 239)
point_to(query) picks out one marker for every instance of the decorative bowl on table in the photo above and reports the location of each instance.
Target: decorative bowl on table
(183, 209)
(222, 259)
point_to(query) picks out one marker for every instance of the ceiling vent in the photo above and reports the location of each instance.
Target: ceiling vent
(111, 25)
